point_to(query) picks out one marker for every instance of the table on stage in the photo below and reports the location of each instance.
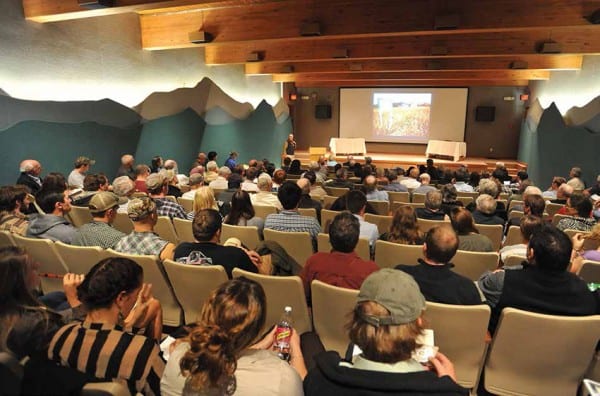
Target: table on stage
(347, 146)
(455, 150)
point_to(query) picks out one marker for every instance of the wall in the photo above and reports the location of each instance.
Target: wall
(498, 139)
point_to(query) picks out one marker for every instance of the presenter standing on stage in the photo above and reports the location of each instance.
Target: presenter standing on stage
(289, 147)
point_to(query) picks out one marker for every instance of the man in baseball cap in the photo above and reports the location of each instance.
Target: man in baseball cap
(99, 232)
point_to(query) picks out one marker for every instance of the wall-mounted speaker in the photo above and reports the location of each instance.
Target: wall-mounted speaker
(323, 111)
(485, 113)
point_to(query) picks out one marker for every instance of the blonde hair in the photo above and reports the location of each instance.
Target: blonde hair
(204, 199)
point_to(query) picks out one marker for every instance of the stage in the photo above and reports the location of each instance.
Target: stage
(388, 160)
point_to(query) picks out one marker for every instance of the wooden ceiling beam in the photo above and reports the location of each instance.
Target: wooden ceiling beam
(409, 83)
(534, 62)
(415, 76)
(343, 19)
(572, 41)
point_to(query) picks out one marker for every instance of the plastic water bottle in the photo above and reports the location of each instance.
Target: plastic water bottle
(283, 335)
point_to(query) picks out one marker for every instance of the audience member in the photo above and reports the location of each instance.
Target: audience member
(575, 179)
(30, 175)
(543, 285)
(432, 209)
(123, 186)
(12, 199)
(279, 176)
(373, 194)
(394, 184)
(52, 223)
(218, 357)
(295, 168)
(316, 191)
(203, 199)
(557, 181)
(99, 232)
(341, 180)
(157, 189)
(528, 224)
(306, 201)
(242, 213)
(231, 162)
(206, 228)
(469, 237)
(563, 193)
(211, 172)
(431, 170)
(579, 210)
(142, 240)
(264, 195)
(490, 187)
(449, 201)
(249, 184)
(595, 189)
(411, 181)
(533, 205)
(356, 203)
(212, 156)
(385, 324)
(287, 161)
(92, 184)
(82, 165)
(425, 186)
(156, 164)
(234, 181)
(196, 181)
(341, 267)
(581, 254)
(126, 168)
(434, 274)
(142, 171)
(485, 212)
(171, 180)
(289, 219)
(100, 347)
(404, 228)
(220, 183)
(461, 177)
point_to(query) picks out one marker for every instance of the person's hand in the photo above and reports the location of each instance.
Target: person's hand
(70, 283)
(137, 314)
(578, 241)
(267, 341)
(255, 257)
(443, 366)
(295, 349)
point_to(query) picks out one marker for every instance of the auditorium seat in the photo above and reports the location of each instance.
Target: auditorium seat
(164, 228)
(183, 229)
(513, 236)
(362, 248)
(418, 198)
(327, 217)
(44, 252)
(389, 254)
(590, 271)
(474, 264)
(123, 223)
(310, 212)
(80, 259)
(6, 239)
(336, 191)
(425, 225)
(383, 223)
(493, 231)
(79, 215)
(398, 196)
(247, 234)
(187, 204)
(381, 207)
(297, 244)
(263, 211)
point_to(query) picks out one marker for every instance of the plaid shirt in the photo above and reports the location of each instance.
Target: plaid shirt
(292, 221)
(97, 233)
(166, 207)
(141, 243)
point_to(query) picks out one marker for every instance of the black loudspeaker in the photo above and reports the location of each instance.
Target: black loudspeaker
(323, 111)
(485, 113)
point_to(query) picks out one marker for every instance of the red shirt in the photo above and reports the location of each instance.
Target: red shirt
(140, 186)
(336, 268)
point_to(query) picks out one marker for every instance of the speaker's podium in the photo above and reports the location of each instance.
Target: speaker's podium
(315, 152)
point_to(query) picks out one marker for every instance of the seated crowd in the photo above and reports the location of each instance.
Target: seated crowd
(106, 325)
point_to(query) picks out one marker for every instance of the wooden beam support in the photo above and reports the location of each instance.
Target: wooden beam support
(573, 41)
(342, 19)
(409, 83)
(534, 62)
(417, 76)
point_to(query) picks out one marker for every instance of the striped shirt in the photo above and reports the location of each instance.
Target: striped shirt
(108, 353)
(292, 221)
(97, 233)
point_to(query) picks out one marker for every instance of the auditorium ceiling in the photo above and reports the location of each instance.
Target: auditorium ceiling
(315, 43)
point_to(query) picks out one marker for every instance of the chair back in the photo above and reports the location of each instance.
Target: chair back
(466, 351)
(514, 202)
(511, 261)
(470, 194)
(187, 204)
(171, 198)
(552, 208)
(192, 285)
(398, 196)
(531, 366)
(389, 254)
(425, 225)
(588, 243)
(79, 215)
(473, 264)
(327, 217)
(493, 231)
(557, 218)
(328, 200)
(330, 308)
(104, 389)
(515, 214)
(362, 247)
(155, 274)
(418, 198)
(381, 207)
(164, 228)
(465, 200)
(6, 239)
(80, 259)
(282, 291)
(513, 236)
(310, 212)
(247, 234)
(396, 205)
(296, 244)
(336, 191)
(263, 211)
(183, 229)
(590, 271)
(123, 223)
(44, 252)
(383, 223)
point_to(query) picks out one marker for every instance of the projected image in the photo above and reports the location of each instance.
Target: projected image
(403, 115)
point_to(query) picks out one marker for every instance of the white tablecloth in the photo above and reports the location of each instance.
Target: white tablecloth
(347, 146)
(451, 149)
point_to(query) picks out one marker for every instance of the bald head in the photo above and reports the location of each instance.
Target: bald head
(304, 184)
(370, 183)
(440, 245)
(425, 178)
(564, 191)
(31, 167)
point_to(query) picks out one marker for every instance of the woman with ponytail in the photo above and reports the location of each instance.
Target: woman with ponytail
(219, 358)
